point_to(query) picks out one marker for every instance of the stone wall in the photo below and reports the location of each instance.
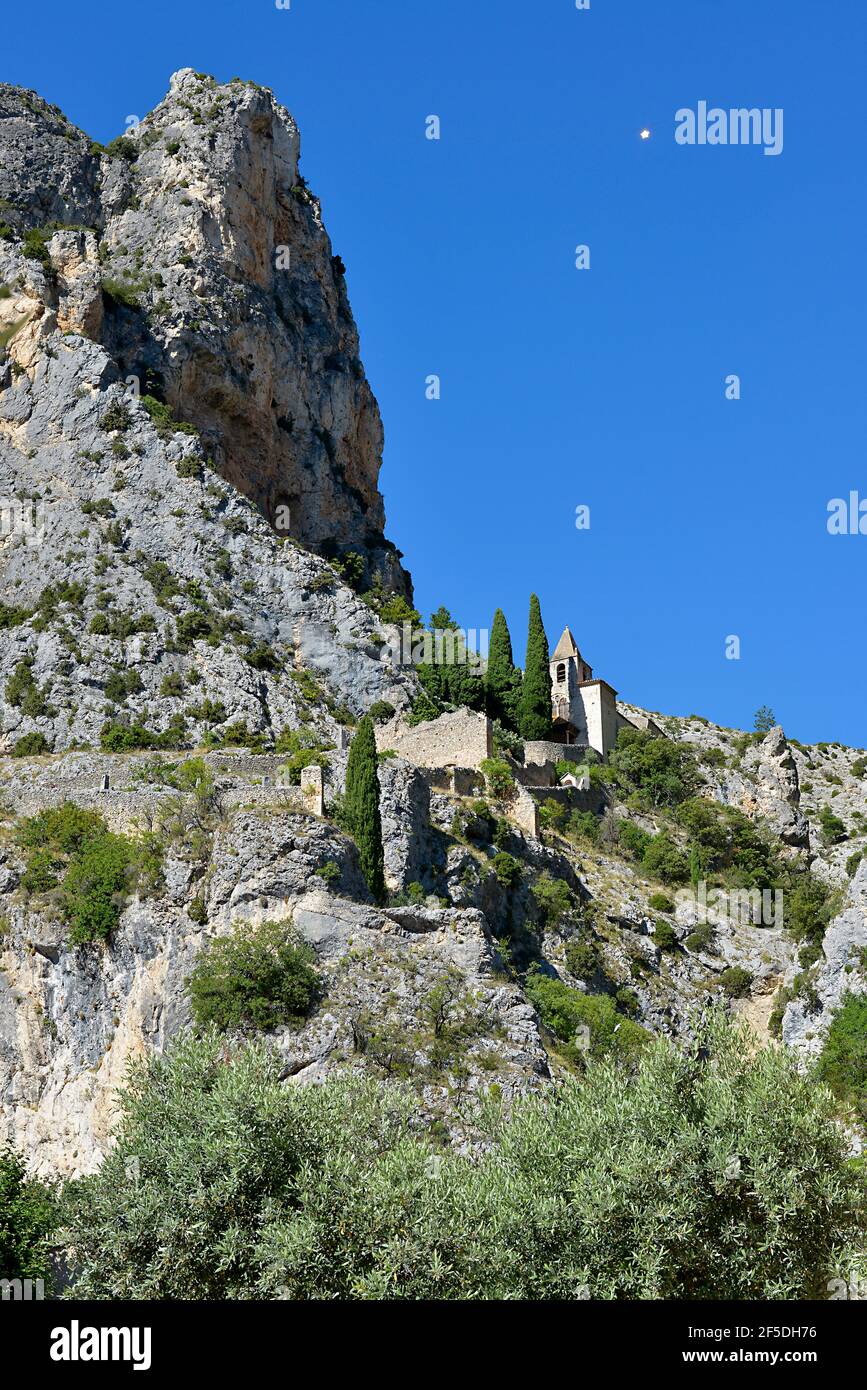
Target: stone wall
(457, 781)
(27, 787)
(462, 739)
(540, 751)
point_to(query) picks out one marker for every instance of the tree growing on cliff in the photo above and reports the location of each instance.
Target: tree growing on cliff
(361, 806)
(503, 679)
(534, 704)
(765, 719)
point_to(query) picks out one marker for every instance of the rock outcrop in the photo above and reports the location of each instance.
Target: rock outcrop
(185, 429)
(199, 260)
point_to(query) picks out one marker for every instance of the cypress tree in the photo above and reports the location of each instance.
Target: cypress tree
(534, 705)
(503, 680)
(362, 806)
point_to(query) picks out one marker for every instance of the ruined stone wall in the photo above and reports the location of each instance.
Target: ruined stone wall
(462, 739)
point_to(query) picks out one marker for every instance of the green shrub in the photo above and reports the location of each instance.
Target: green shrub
(658, 771)
(583, 825)
(94, 887)
(507, 870)
(197, 910)
(423, 709)
(853, 862)
(263, 658)
(12, 616)
(498, 777)
(165, 422)
(164, 584)
(620, 1185)
(736, 982)
(381, 711)
(843, 1061)
(116, 416)
(115, 737)
(22, 691)
(859, 767)
(554, 898)
(553, 815)
(633, 838)
(662, 859)
(35, 245)
(350, 568)
(809, 906)
(660, 902)
(582, 959)
(28, 1216)
(665, 936)
(122, 290)
(30, 745)
(701, 938)
(122, 683)
(95, 869)
(122, 147)
(565, 1011)
(172, 686)
(833, 828)
(260, 977)
(329, 872)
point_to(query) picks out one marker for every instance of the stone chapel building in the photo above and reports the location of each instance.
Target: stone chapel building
(584, 710)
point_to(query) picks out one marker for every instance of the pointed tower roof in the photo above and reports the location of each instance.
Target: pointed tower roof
(566, 647)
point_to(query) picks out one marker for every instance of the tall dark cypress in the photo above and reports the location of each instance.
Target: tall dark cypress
(362, 806)
(534, 705)
(503, 680)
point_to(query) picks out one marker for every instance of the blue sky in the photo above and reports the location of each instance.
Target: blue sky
(563, 387)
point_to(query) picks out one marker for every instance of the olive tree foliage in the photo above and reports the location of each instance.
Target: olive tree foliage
(711, 1174)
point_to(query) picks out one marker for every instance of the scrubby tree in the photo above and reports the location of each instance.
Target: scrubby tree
(260, 977)
(534, 703)
(765, 719)
(27, 1219)
(843, 1062)
(361, 806)
(657, 771)
(503, 679)
(712, 1171)
(454, 675)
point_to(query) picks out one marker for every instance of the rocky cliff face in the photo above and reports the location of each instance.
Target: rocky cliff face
(179, 376)
(184, 422)
(198, 259)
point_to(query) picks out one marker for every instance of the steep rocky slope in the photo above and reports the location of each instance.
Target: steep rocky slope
(72, 1016)
(196, 255)
(179, 383)
(179, 376)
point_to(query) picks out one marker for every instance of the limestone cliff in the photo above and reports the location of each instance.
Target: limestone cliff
(199, 260)
(185, 425)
